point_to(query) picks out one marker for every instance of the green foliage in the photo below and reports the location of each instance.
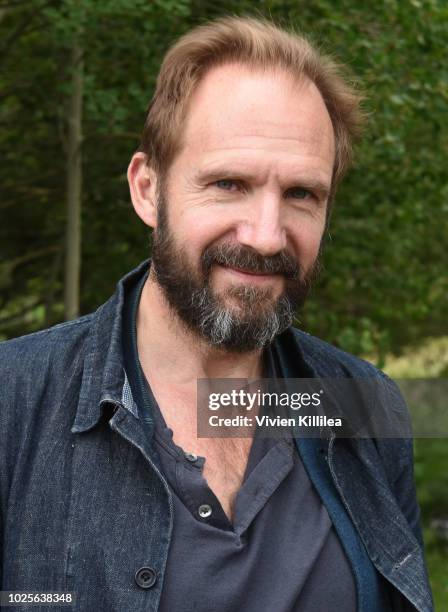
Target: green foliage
(123, 45)
(427, 360)
(431, 460)
(384, 282)
(436, 558)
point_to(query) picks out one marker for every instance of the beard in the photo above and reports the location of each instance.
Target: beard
(257, 318)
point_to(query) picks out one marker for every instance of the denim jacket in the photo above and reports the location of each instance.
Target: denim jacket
(85, 507)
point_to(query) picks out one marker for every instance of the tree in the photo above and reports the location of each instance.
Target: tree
(384, 280)
(74, 188)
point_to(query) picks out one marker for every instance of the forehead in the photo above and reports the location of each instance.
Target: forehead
(237, 110)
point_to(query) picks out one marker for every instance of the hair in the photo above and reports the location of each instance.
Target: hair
(256, 43)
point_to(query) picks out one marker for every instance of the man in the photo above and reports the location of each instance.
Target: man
(107, 491)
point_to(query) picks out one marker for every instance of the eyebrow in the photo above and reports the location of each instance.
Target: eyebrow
(311, 183)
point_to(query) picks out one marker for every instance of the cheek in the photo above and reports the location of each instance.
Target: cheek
(307, 241)
(200, 228)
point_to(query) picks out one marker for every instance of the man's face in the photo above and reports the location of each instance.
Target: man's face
(242, 214)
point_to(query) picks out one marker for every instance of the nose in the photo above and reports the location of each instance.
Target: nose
(263, 229)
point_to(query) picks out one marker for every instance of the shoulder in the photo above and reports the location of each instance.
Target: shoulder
(324, 360)
(327, 360)
(55, 344)
(330, 361)
(35, 369)
(56, 333)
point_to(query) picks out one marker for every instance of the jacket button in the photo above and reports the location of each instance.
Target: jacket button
(205, 511)
(191, 457)
(145, 577)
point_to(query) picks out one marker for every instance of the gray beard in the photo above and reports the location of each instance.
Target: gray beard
(257, 319)
(223, 327)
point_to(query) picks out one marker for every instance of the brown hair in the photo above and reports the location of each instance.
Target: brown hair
(253, 42)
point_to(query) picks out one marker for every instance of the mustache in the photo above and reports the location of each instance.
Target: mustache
(246, 258)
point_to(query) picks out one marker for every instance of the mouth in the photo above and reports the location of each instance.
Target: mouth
(248, 275)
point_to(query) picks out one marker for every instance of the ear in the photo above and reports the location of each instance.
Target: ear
(142, 181)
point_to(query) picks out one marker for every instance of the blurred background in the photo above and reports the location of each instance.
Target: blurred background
(75, 80)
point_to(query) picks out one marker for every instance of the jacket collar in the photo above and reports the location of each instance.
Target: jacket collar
(104, 381)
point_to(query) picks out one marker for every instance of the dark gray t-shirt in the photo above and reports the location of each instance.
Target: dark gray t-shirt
(280, 554)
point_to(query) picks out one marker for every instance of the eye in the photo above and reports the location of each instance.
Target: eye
(299, 193)
(226, 184)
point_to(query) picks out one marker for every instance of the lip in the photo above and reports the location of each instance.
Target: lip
(256, 277)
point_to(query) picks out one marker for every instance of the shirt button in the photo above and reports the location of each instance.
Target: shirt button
(145, 577)
(191, 457)
(205, 511)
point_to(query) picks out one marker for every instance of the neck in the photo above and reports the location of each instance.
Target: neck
(175, 355)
